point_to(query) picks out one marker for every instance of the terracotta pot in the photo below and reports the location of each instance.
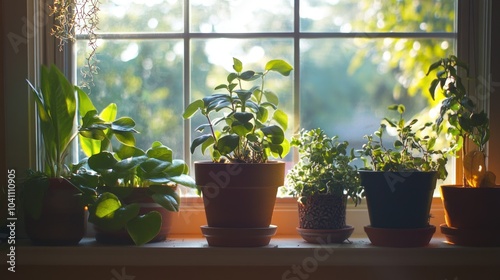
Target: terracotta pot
(471, 208)
(323, 211)
(62, 220)
(240, 195)
(398, 199)
(147, 204)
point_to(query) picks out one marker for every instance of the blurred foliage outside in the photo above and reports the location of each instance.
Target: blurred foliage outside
(346, 84)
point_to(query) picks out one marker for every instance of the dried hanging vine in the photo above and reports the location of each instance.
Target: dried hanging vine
(72, 16)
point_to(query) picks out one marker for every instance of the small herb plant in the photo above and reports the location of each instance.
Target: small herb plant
(464, 123)
(412, 150)
(323, 167)
(249, 127)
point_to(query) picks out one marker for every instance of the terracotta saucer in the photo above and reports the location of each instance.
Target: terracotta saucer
(238, 237)
(475, 237)
(322, 236)
(400, 237)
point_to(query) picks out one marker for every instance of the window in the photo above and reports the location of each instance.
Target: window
(352, 59)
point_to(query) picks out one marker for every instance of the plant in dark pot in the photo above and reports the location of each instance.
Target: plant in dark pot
(245, 127)
(323, 179)
(136, 193)
(400, 181)
(54, 214)
(472, 211)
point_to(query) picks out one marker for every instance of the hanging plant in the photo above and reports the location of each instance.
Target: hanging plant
(72, 16)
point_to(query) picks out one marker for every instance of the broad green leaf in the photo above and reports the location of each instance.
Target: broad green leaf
(199, 140)
(231, 77)
(247, 75)
(243, 117)
(106, 204)
(177, 167)
(279, 66)
(206, 144)
(281, 118)
(125, 137)
(129, 151)
(237, 65)
(117, 219)
(193, 108)
(184, 180)
(123, 124)
(228, 143)
(103, 160)
(160, 152)
(241, 129)
(271, 97)
(84, 102)
(144, 228)
(168, 201)
(274, 134)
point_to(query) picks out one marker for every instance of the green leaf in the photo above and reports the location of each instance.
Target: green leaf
(103, 160)
(193, 108)
(169, 201)
(274, 134)
(230, 78)
(271, 97)
(434, 66)
(106, 204)
(184, 180)
(432, 88)
(144, 228)
(228, 143)
(123, 124)
(126, 138)
(160, 151)
(281, 118)
(200, 140)
(129, 151)
(84, 102)
(241, 129)
(247, 75)
(237, 65)
(279, 66)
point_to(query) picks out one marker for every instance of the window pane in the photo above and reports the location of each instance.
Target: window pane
(141, 16)
(213, 59)
(346, 91)
(240, 16)
(145, 80)
(377, 16)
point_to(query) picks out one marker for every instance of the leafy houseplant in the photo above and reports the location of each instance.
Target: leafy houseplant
(401, 182)
(323, 179)
(471, 210)
(54, 214)
(245, 128)
(127, 181)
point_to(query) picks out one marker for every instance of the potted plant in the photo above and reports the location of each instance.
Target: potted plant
(54, 214)
(136, 193)
(322, 180)
(54, 206)
(245, 128)
(472, 212)
(400, 181)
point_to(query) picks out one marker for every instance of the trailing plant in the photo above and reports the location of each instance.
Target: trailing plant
(412, 150)
(249, 127)
(70, 16)
(324, 167)
(463, 121)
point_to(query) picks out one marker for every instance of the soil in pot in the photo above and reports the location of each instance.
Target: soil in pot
(398, 199)
(62, 219)
(147, 204)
